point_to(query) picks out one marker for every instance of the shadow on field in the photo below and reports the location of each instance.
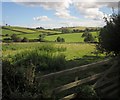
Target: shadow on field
(83, 61)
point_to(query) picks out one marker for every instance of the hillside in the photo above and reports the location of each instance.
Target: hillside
(73, 35)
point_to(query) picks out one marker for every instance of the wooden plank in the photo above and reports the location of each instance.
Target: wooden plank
(113, 93)
(108, 88)
(76, 83)
(106, 73)
(71, 96)
(105, 82)
(73, 70)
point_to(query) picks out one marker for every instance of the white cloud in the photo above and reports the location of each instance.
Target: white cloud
(41, 18)
(90, 10)
(61, 8)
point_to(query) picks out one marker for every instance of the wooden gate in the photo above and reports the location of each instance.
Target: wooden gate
(105, 82)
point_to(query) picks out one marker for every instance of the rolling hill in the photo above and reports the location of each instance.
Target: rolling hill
(51, 34)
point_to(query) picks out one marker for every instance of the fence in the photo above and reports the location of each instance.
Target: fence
(105, 82)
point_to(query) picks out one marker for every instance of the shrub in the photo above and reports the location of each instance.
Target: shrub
(20, 70)
(86, 91)
(25, 39)
(41, 37)
(59, 39)
(18, 39)
(6, 34)
(7, 40)
(18, 82)
(43, 60)
(15, 38)
(110, 35)
(88, 37)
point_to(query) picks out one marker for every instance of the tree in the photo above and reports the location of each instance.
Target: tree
(62, 40)
(25, 39)
(85, 33)
(18, 39)
(41, 37)
(65, 30)
(109, 38)
(59, 39)
(88, 36)
(15, 38)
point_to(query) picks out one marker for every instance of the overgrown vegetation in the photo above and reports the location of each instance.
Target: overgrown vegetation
(110, 35)
(85, 92)
(20, 70)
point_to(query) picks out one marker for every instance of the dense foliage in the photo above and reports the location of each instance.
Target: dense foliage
(88, 36)
(59, 39)
(20, 70)
(109, 38)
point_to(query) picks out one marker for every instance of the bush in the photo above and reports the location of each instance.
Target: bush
(41, 37)
(7, 40)
(18, 82)
(18, 39)
(15, 38)
(88, 37)
(25, 39)
(43, 60)
(59, 39)
(109, 38)
(20, 70)
(86, 92)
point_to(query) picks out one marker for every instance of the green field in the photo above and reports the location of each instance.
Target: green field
(28, 60)
(73, 50)
(34, 34)
(70, 37)
(9, 32)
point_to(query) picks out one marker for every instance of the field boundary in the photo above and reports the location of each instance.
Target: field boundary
(101, 79)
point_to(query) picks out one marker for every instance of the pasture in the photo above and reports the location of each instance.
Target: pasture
(51, 35)
(73, 50)
(45, 57)
(75, 53)
(69, 37)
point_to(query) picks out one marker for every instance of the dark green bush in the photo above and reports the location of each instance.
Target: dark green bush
(20, 70)
(25, 39)
(109, 38)
(59, 39)
(86, 91)
(42, 60)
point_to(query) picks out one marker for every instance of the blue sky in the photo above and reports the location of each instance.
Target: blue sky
(51, 15)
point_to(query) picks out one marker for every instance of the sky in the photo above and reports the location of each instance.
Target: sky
(65, 13)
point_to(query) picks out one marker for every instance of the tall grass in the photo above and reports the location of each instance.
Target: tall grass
(20, 70)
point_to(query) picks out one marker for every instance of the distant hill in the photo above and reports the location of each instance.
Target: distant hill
(71, 34)
(78, 28)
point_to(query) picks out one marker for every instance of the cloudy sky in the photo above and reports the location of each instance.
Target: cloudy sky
(56, 14)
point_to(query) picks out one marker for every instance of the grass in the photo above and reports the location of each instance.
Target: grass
(30, 36)
(70, 37)
(22, 29)
(34, 34)
(9, 32)
(73, 50)
(77, 50)
(25, 32)
(46, 58)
